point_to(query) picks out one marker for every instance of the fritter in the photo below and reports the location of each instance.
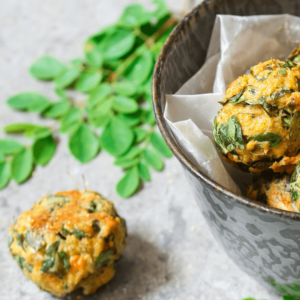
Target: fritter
(67, 241)
(278, 190)
(259, 125)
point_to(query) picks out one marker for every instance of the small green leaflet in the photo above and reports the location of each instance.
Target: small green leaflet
(274, 139)
(38, 133)
(118, 44)
(8, 146)
(124, 104)
(46, 68)
(78, 233)
(140, 68)
(58, 110)
(126, 163)
(117, 137)
(66, 78)
(20, 260)
(278, 94)
(294, 131)
(153, 159)
(126, 88)
(132, 153)
(88, 81)
(144, 171)
(100, 94)
(134, 16)
(71, 121)
(43, 150)
(47, 265)
(160, 145)
(295, 188)
(21, 166)
(264, 77)
(63, 255)
(30, 101)
(140, 134)
(131, 119)
(83, 144)
(52, 248)
(129, 183)
(5, 174)
(104, 258)
(94, 58)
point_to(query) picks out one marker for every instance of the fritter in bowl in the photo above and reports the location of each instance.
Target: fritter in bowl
(278, 190)
(259, 125)
(67, 241)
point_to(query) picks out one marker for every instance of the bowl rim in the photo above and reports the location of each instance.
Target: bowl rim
(175, 35)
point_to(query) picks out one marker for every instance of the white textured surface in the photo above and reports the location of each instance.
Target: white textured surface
(171, 253)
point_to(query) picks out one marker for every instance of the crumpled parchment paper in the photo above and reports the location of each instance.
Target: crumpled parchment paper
(236, 44)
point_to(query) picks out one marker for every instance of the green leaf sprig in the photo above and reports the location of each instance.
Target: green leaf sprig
(117, 116)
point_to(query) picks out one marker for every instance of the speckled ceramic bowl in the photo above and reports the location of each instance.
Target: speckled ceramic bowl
(261, 240)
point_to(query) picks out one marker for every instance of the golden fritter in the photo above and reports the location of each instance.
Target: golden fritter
(67, 241)
(278, 190)
(259, 123)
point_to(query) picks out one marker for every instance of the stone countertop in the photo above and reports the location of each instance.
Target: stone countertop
(171, 253)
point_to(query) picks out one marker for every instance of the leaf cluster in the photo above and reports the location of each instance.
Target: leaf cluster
(116, 116)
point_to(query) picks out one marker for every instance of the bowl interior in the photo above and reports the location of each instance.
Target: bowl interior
(184, 54)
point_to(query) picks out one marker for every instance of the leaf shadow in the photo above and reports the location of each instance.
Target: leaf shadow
(142, 269)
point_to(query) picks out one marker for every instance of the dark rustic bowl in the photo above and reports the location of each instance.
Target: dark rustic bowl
(261, 240)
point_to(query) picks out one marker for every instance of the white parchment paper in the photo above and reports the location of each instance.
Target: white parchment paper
(236, 44)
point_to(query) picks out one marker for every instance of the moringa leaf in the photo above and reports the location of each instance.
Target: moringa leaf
(126, 88)
(84, 144)
(124, 104)
(71, 121)
(126, 163)
(99, 95)
(117, 137)
(132, 119)
(66, 78)
(144, 171)
(140, 134)
(78, 233)
(128, 185)
(140, 68)
(118, 44)
(46, 68)
(5, 174)
(43, 150)
(278, 94)
(294, 131)
(274, 139)
(29, 101)
(58, 110)
(94, 58)
(22, 165)
(61, 93)
(160, 145)
(38, 133)
(236, 99)
(153, 159)
(265, 74)
(52, 248)
(47, 265)
(8, 146)
(132, 153)
(64, 256)
(88, 81)
(104, 258)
